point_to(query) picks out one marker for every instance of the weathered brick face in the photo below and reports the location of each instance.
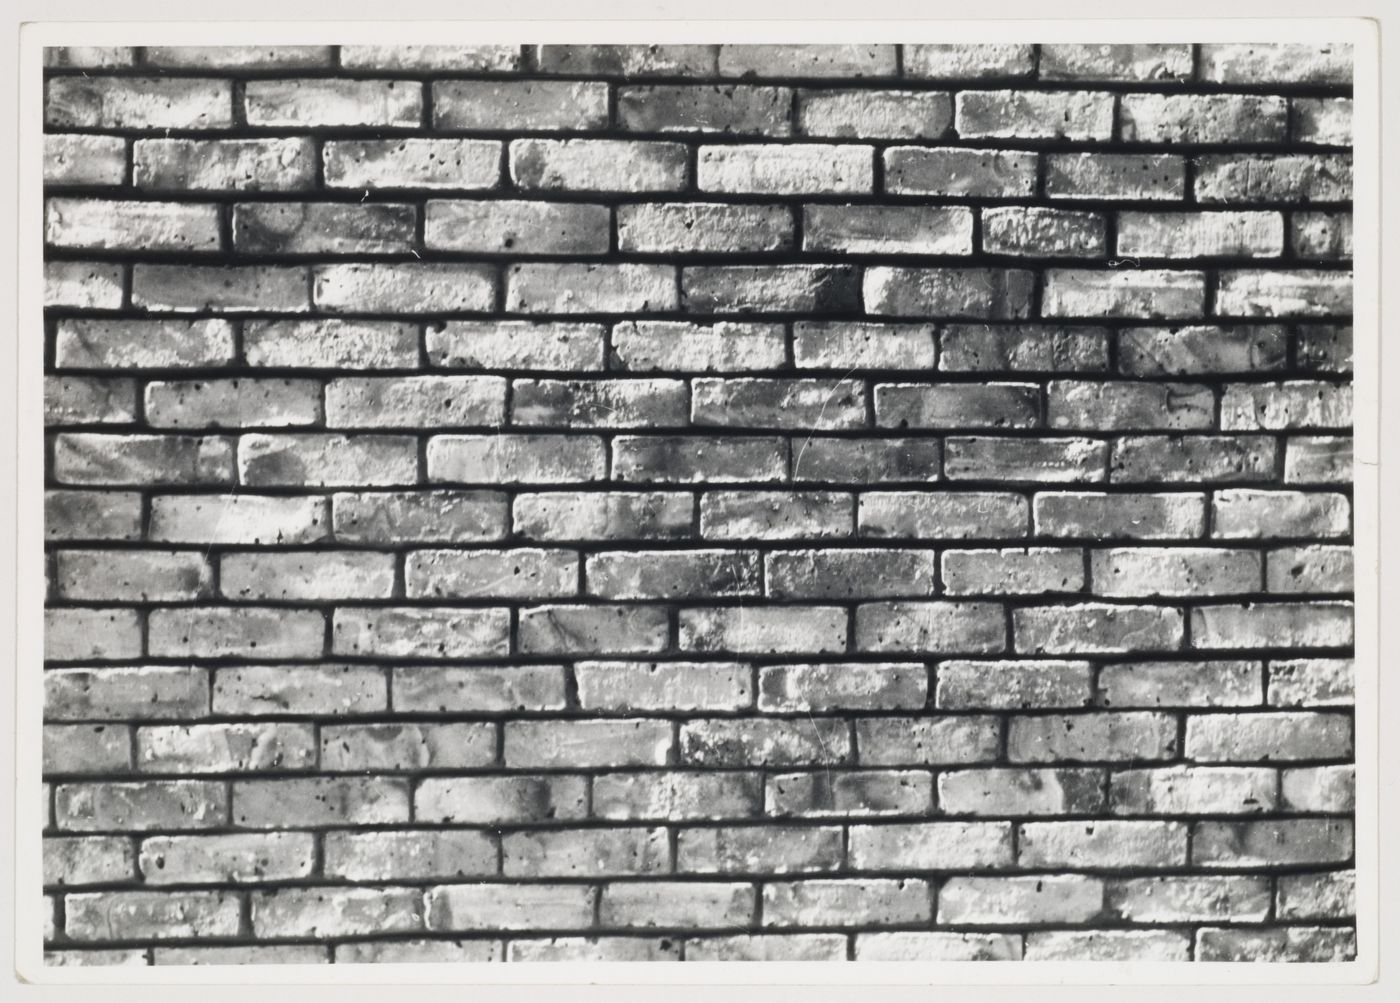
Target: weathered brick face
(704, 502)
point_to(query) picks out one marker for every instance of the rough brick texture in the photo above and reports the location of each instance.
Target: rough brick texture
(709, 502)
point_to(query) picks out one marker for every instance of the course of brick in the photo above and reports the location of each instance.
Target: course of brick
(698, 502)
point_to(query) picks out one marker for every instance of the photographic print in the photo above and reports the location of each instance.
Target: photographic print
(698, 502)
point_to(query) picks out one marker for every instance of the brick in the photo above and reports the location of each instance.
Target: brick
(1300, 293)
(1197, 349)
(517, 227)
(625, 403)
(758, 849)
(468, 58)
(612, 629)
(83, 285)
(109, 225)
(232, 403)
(1102, 844)
(914, 846)
(575, 949)
(1219, 683)
(1191, 459)
(86, 748)
(509, 907)
(323, 228)
(1022, 348)
(259, 954)
(336, 912)
(267, 520)
(151, 692)
(312, 103)
(109, 634)
(1319, 789)
(919, 945)
(732, 109)
(315, 801)
(768, 947)
(1188, 898)
(697, 459)
(946, 627)
(1203, 118)
(1317, 460)
(725, 346)
(247, 631)
(84, 160)
(93, 400)
(514, 344)
(944, 515)
(673, 574)
(590, 852)
(628, 60)
(926, 741)
(330, 344)
(1060, 460)
(1322, 236)
(957, 405)
(420, 632)
(1099, 737)
(1075, 115)
(1245, 513)
(1075, 404)
(237, 57)
(867, 461)
(767, 742)
(677, 795)
(238, 858)
(1097, 627)
(1295, 404)
(1005, 901)
(949, 171)
(613, 515)
(487, 574)
(1311, 682)
(874, 114)
(498, 105)
(703, 228)
(321, 460)
(806, 168)
(412, 288)
(766, 630)
(1108, 945)
(705, 905)
(866, 229)
(494, 800)
(1043, 232)
(1316, 944)
(1310, 569)
(1239, 63)
(88, 860)
(1021, 792)
(436, 164)
(992, 293)
(280, 164)
(598, 165)
(92, 515)
(1262, 177)
(150, 915)
(854, 793)
(1114, 176)
(825, 688)
(257, 690)
(1138, 293)
(218, 288)
(807, 60)
(850, 344)
(833, 902)
(1201, 234)
(1006, 685)
(1272, 843)
(91, 458)
(1326, 895)
(415, 401)
(1268, 736)
(1324, 121)
(1116, 62)
(1193, 790)
(768, 288)
(158, 576)
(663, 686)
(1025, 571)
(583, 288)
(1174, 571)
(136, 807)
(850, 574)
(106, 56)
(1095, 516)
(969, 61)
(306, 575)
(514, 459)
(479, 688)
(141, 103)
(772, 403)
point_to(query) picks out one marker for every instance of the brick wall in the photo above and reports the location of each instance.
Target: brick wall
(706, 502)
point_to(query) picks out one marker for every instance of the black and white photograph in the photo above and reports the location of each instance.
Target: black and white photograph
(714, 501)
